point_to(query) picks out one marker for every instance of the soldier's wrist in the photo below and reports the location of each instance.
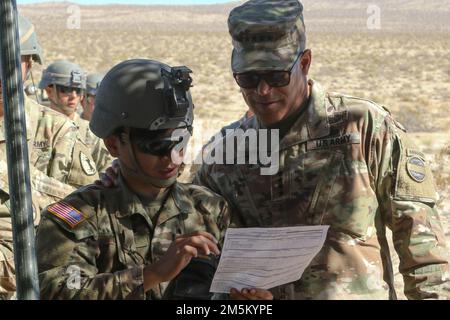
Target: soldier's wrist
(152, 278)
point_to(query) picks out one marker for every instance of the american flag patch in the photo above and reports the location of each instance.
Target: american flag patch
(67, 213)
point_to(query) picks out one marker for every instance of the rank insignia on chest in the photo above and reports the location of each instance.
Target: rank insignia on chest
(67, 213)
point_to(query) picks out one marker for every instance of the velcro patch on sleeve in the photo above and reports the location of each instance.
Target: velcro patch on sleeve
(414, 178)
(65, 212)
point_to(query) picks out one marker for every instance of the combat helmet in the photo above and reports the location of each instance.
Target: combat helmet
(29, 44)
(64, 73)
(143, 94)
(93, 81)
(149, 97)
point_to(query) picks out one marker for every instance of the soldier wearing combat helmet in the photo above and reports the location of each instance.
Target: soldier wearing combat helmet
(93, 81)
(128, 241)
(344, 162)
(65, 84)
(52, 140)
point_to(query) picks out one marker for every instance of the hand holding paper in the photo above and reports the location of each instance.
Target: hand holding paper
(266, 257)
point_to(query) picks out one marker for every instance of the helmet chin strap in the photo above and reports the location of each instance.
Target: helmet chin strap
(30, 74)
(137, 170)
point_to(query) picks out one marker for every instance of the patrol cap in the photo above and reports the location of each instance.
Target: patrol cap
(64, 73)
(93, 82)
(266, 34)
(29, 44)
(143, 94)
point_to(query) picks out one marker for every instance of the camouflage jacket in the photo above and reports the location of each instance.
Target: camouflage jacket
(116, 237)
(45, 190)
(99, 153)
(188, 172)
(346, 163)
(58, 150)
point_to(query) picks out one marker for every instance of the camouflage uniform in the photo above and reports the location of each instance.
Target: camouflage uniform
(71, 75)
(346, 163)
(118, 237)
(109, 235)
(58, 150)
(99, 153)
(51, 144)
(45, 191)
(193, 168)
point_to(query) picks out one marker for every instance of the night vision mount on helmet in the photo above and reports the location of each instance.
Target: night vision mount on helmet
(143, 94)
(63, 73)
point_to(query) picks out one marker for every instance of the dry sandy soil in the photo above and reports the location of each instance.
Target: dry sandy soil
(404, 65)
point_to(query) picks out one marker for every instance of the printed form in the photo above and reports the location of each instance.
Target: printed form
(266, 257)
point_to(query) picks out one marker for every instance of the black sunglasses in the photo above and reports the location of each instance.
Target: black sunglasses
(162, 146)
(276, 78)
(66, 90)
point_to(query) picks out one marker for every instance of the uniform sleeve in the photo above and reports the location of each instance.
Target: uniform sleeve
(45, 190)
(68, 269)
(101, 155)
(219, 219)
(202, 178)
(407, 196)
(54, 158)
(48, 189)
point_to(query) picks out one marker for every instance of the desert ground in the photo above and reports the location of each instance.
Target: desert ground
(404, 64)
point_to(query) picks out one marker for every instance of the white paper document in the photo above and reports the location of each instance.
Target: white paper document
(266, 257)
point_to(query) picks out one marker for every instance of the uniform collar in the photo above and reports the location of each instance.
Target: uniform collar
(77, 119)
(313, 123)
(129, 203)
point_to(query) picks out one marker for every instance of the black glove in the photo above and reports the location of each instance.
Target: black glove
(194, 281)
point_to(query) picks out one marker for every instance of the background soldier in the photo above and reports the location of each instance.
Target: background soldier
(59, 139)
(128, 241)
(344, 162)
(93, 81)
(65, 83)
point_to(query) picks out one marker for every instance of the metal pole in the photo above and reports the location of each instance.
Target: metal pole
(17, 154)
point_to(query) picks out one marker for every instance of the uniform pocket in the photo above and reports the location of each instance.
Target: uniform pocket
(320, 171)
(352, 202)
(124, 236)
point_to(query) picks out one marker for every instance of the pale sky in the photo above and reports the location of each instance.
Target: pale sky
(166, 2)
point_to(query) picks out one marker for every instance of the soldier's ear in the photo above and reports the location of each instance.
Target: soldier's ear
(50, 91)
(112, 144)
(305, 61)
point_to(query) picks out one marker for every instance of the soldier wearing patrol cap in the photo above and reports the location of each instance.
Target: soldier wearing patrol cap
(344, 162)
(93, 81)
(65, 84)
(128, 241)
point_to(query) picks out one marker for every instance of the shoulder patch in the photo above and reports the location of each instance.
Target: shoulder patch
(416, 169)
(414, 178)
(87, 165)
(67, 213)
